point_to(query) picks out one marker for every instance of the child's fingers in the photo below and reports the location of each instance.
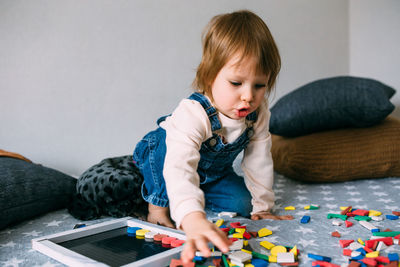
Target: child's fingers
(200, 243)
(202, 246)
(218, 238)
(188, 251)
(255, 217)
(260, 216)
(286, 217)
(270, 216)
(170, 225)
(192, 245)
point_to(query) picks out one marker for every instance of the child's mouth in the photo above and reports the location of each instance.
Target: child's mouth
(243, 112)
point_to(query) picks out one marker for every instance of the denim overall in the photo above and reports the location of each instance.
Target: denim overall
(224, 190)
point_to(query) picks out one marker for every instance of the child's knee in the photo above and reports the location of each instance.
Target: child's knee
(243, 205)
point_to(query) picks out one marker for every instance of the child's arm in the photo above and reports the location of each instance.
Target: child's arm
(199, 231)
(186, 129)
(257, 166)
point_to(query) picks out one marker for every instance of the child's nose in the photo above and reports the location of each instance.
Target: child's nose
(247, 94)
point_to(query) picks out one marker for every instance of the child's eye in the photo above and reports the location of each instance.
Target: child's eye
(236, 83)
(260, 86)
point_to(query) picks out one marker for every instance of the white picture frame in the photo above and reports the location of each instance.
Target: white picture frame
(49, 245)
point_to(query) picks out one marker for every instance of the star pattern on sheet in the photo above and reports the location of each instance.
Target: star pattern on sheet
(385, 200)
(304, 230)
(331, 206)
(277, 191)
(353, 193)
(53, 223)
(301, 198)
(307, 242)
(15, 241)
(13, 262)
(374, 187)
(10, 244)
(380, 194)
(330, 198)
(47, 264)
(271, 238)
(356, 200)
(302, 212)
(350, 187)
(391, 207)
(273, 228)
(313, 237)
(325, 187)
(33, 233)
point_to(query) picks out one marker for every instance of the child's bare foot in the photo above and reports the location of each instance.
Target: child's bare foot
(267, 215)
(159, 215)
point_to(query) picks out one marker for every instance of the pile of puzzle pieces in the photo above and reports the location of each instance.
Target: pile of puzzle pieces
(369, 252)
(165, 240)
(241, 254)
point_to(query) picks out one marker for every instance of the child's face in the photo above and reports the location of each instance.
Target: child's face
(238, 90)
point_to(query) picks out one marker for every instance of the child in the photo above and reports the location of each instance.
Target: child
(187, 162)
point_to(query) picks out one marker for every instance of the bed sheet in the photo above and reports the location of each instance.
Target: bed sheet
(314, 237)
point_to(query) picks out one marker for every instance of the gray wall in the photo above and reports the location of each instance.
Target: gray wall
(375, 42)
(85, 80)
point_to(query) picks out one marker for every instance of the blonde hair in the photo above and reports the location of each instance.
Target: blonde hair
(240, 32)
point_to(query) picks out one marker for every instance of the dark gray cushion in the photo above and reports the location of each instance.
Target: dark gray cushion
(28, 190)
(331, 103)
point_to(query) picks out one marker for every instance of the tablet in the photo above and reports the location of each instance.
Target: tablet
(110, 244)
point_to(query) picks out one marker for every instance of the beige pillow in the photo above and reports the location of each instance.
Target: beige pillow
(340, 155)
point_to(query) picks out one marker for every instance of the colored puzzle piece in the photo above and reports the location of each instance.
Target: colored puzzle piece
(264, 232)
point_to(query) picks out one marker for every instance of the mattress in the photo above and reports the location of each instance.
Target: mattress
(314, 237)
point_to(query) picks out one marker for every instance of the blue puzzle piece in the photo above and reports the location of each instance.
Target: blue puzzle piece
(359, 257)
(319, 257)
(305, 219)
(393, 256)
(363, 252)
(132, 230)
(198, 258)
(259, 263)
(391, 217)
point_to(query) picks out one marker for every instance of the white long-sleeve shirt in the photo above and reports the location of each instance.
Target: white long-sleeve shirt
(186, 129)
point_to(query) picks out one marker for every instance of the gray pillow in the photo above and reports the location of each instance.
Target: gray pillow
(28, 190)
(331, 103)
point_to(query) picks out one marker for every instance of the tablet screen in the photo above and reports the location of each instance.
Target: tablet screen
(114, 247)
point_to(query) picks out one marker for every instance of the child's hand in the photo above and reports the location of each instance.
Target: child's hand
(199, 231)
(268, 215)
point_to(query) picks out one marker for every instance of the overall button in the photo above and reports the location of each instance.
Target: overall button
(250, 133)
(212, 142)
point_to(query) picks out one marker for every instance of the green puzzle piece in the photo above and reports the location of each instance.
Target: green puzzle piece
(339, 216)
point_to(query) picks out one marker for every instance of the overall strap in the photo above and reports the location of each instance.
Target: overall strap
(210, 110)
(252, 116)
